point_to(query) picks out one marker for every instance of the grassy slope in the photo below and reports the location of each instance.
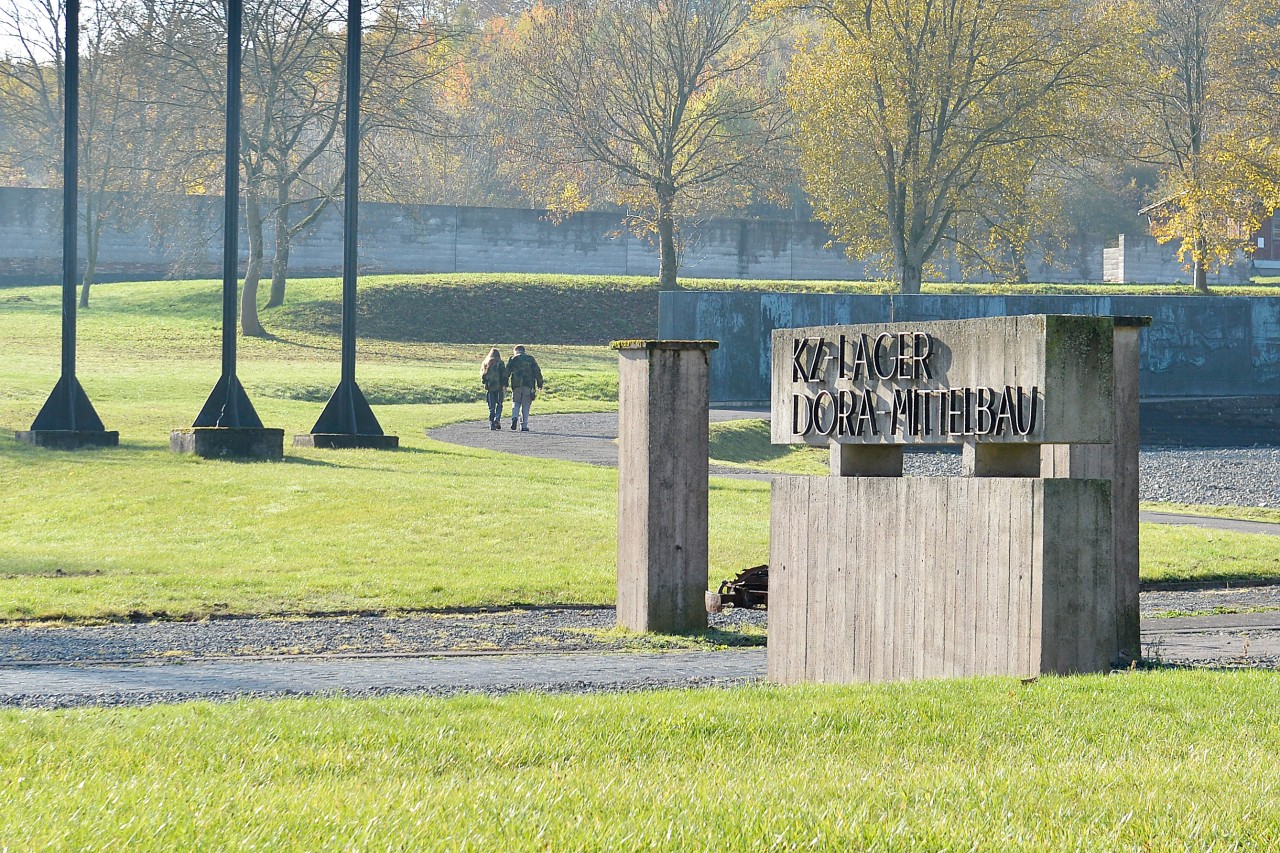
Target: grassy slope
(1145, 761)
(137, 530)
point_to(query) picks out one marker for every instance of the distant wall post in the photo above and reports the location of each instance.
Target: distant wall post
(662, 484)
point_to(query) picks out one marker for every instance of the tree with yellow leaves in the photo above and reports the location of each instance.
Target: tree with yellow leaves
(1206, 100)
(919, 118)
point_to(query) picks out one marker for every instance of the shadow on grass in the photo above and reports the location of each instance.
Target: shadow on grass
(1222, 580)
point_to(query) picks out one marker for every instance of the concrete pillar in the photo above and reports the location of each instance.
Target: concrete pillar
(866, 460)
(1000, 460)
(662, 484)
(1117, 462)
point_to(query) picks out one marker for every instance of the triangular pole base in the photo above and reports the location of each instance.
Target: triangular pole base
(68, 421)
(347, 412)
(228, 406)
(347, 422)
(68, 408)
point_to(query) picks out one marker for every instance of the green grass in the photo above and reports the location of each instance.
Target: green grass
(1221, 610)
(1159, 760)
(745, 444)
(1173, 553)
(140, 531)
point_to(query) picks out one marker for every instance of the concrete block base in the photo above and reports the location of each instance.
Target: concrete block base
(345, 441)
(229, 442)
(68, 439)
(884, 579)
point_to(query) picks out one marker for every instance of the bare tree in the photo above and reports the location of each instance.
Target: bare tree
(115, 136)
(647, 101)
(293, 94)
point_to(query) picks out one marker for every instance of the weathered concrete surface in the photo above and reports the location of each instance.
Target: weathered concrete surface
(68, 439)
(1061, 363)
(662, 484)
(1196, 347)
(888, 579)
(229, 442)
(1117, 462)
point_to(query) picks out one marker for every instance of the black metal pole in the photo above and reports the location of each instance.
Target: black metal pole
(348, 414)
(351, 198)
(70, 197)
(67, 418)
(228, 405)
(231, 188)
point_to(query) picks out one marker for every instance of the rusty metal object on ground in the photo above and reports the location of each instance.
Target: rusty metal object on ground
(749, 589)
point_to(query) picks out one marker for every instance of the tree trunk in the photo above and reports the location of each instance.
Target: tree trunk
(92, 237)
(250, 326)
(279, 270)
(280, 261)
(1021, 274)
(909, 277)
(666, 239)
(1200, 275)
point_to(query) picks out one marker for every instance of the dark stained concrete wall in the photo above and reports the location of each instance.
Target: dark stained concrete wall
(1196, 346)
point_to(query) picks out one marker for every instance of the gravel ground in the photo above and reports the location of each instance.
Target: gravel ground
(1222, 477)
(57, 701)
(1240, 598)
(549, 629)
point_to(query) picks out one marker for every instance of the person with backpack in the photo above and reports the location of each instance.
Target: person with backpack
(493, 373)
(526, 378)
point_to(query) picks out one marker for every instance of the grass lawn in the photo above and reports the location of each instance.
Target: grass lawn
(140, 531)
(1164, 760)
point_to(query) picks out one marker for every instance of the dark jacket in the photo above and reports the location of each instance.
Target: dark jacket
(524, 371)
(495, 378)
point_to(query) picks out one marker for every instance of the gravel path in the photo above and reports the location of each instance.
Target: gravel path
(542, 629)
(68, 667)
(113, 684)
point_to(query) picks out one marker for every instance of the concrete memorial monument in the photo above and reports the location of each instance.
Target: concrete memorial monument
(876, 577)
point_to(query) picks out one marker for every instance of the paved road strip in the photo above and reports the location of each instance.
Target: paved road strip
(116, 684)
(1204, 521)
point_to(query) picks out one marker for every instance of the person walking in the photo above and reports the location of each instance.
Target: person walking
(493, 373)
(526, 379)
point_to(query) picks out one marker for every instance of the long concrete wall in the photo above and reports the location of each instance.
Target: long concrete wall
(184, 241)
(1196, 346)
